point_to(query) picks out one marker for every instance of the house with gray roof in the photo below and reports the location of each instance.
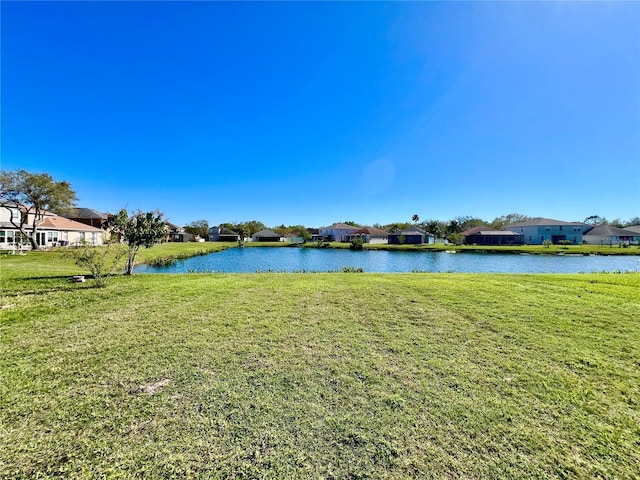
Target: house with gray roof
(411, 236)
(87, 216)
(536, 231)
(222, 234)
(483, 235)
(609, 235)
(265, 236)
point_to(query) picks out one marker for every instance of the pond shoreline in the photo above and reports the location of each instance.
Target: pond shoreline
(292, 259)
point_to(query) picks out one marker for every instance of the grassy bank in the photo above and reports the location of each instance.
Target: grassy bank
(318, 375)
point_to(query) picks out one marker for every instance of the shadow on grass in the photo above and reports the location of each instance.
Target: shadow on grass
(46, 287)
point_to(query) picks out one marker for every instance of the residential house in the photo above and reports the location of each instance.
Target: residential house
(265, 236)
(52, 230)
(222, 234)
(9, 234)
(483, 235)
(177, 234)
(536, 231)
(411, 236)
(88, 216)
(338, 232)
(370, 235)
(608, 235)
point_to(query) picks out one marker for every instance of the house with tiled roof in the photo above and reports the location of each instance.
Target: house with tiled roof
(338, 232)
(370, 235)
(52, 230)
(537, 231)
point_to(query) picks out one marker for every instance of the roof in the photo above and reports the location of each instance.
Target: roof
(488, 232)
(609, 231)
(83, 213)
(226, 231)
(476, 230)
(340, 226)
(539, 221)
(412, 231)
(633, 228)
(377, 232)
(266, 233)
(56, 222)
(173, 227)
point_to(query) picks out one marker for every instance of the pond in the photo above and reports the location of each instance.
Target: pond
(248, 260)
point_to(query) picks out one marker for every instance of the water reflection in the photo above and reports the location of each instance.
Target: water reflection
(247, 260)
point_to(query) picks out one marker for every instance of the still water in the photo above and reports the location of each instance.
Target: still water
(247, 260)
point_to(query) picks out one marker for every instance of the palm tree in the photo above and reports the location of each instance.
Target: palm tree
(415, 218)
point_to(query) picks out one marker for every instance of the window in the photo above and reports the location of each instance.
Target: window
(2, 236)
(560, 227)
(52, 236)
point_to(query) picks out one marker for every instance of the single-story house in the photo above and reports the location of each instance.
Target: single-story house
(370, 235)
(411, 236)
(536, 231)
(608, 235)
(338, 232)
(222, 234)
(265, 236)
(178, 234)
(483, 235)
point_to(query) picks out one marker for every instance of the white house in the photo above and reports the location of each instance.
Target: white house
(338, 232)
(370, 235)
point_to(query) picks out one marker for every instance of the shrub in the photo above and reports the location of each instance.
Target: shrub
(357, 244)
(102, 262)
(352, 270)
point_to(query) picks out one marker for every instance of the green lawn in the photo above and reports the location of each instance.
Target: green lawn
(317, 375)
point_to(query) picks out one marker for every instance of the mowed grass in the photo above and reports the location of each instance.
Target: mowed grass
(318, 375)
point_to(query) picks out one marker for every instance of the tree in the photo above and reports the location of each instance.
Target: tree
(500, 222)
(141, 229)
(199, 228)
(415, 218)
(596, 220)
(34, 194)
(437, 227)
(467, 221)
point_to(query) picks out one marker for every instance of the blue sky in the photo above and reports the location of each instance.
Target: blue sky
(316, 112)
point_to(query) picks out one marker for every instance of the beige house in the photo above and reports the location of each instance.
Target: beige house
(53, 231)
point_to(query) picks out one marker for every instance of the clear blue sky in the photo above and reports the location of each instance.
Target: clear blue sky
(315, 112)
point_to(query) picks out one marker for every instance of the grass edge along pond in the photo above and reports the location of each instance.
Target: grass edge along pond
(318, 375)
